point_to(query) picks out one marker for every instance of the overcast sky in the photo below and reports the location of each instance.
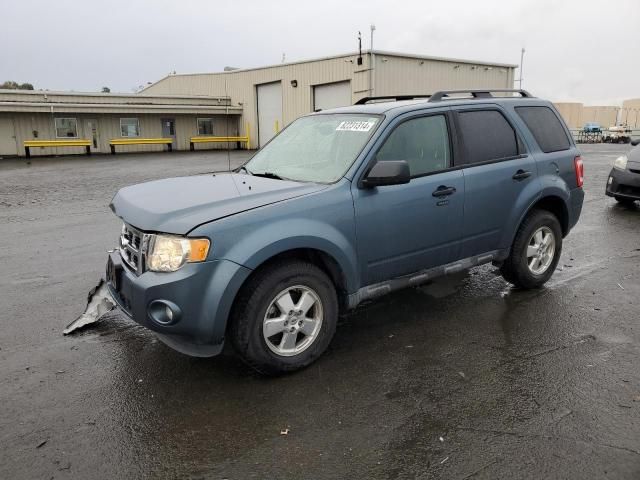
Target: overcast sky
(575, 50)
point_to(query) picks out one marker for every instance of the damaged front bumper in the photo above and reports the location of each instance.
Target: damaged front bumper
(188, 309)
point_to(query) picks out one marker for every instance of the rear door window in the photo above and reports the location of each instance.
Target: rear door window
(545, 127)
(487, 136)
(423, 142)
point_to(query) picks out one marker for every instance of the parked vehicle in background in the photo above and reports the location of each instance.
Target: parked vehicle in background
(344, 206)
(617, 134)
(623, 183)
(591, 127)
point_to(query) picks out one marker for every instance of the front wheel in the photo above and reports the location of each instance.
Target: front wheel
(535, 251)
(284, 317)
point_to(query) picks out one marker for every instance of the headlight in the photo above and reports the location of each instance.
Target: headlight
(167, 253)
(621, 162)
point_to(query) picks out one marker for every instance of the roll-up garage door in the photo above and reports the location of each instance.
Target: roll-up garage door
(269, 111)
(331, 95)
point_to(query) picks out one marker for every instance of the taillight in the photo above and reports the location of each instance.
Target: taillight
(579, 166)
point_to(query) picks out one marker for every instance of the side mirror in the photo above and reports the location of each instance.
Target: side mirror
(635, 142)
(389, 172)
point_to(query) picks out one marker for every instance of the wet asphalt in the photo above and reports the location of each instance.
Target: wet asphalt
(464, 378)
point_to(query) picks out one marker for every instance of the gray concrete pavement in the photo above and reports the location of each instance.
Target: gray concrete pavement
(465, 378)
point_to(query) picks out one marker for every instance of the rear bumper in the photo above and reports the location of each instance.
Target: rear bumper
(623, 183)
(201, 293)
(576, 199)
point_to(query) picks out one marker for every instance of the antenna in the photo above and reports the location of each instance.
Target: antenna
(521, 63)
(359, 48)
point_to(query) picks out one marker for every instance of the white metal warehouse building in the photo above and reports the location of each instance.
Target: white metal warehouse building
(271, 97)
(101, 118)
(253, 102)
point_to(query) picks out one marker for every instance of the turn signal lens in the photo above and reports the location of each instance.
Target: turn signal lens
(199, 249)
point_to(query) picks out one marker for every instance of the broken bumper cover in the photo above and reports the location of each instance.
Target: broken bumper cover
(623, 183)
(199, 294)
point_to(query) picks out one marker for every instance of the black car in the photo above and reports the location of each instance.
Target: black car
(624, 180)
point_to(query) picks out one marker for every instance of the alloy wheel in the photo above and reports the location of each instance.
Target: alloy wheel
(541, 250)
(293, 321)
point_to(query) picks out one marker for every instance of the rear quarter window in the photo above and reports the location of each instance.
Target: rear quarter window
(545, 127)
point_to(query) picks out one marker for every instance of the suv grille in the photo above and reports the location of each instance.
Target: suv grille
(133, 244)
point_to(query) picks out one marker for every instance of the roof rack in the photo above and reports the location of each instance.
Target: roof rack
(364, 100)
(442, 95)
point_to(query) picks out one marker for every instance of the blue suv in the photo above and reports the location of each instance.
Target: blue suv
(343, 206)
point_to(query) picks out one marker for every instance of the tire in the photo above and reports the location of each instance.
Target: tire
(287, 280)
(625, 201)
(517, 268)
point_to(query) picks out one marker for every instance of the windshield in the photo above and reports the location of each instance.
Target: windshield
(318, 148)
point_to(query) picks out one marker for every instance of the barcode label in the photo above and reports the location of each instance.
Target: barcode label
(355, 126)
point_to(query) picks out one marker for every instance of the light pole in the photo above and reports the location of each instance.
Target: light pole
(521, 63)
(371, 61)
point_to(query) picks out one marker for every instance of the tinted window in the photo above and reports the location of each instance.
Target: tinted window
(545, 127)
(423, 142)
(487, 136)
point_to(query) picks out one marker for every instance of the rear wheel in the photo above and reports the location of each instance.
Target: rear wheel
(285, 317)
(535, 251)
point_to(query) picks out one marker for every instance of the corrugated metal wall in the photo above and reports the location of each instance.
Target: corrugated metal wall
(604, 115)
(571, 113)
(394, 75)
(241, 86)
(107, 98)
(109, 128)
(576, 114)
(405, 75)
(630, 112)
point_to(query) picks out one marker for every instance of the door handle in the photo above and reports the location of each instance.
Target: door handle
(521, 175)
(443, 191)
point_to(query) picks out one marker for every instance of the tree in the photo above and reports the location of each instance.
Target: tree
(106, 90)
(11, 85)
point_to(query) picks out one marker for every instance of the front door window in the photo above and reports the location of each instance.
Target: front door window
(422, 142)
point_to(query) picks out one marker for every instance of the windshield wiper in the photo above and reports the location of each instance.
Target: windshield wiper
(243, 168)
(267, 175)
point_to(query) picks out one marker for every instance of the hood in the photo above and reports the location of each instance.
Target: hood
(633, 158)
(178, 205)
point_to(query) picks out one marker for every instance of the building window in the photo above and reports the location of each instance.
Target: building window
(66, 127)
(129, 127)
(205, 126)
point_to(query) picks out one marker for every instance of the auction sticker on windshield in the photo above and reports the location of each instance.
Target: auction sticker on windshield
(355, 126)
